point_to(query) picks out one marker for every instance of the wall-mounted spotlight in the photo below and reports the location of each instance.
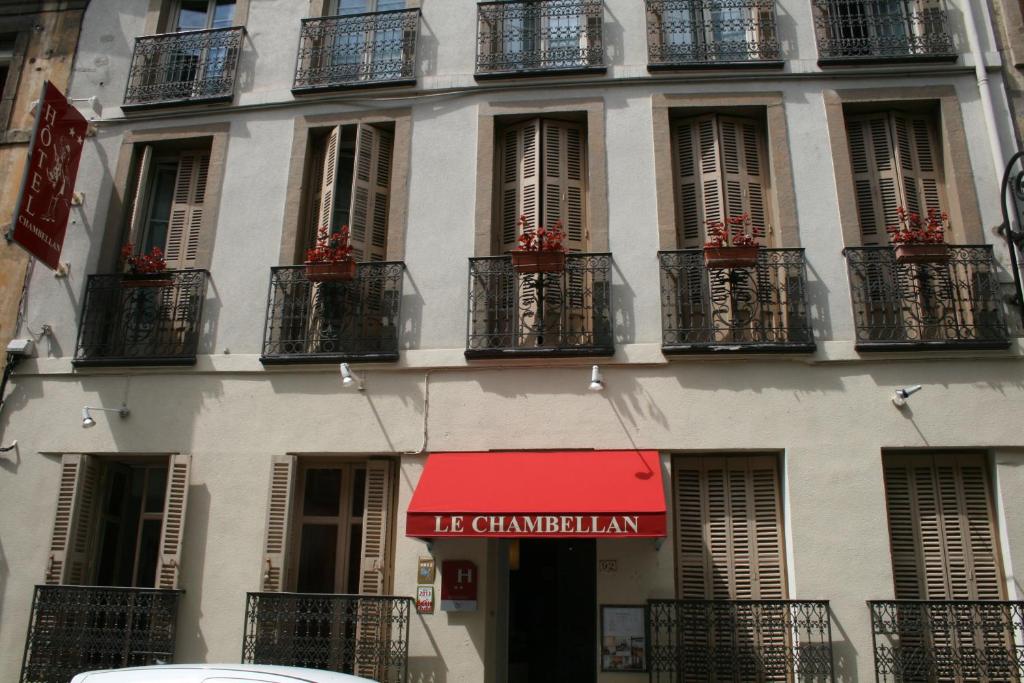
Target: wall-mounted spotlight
(900, 396)
(350, 379)
(87, 420)
(596, 380)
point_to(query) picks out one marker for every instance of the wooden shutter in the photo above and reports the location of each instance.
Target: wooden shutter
(374, 563)
(279, 507)
(137, 213)
(371, 187)
(72, 525)
(332, 156)
(920, 162)
(565, 180)
(875, 175)
(175, 504)
(186, 220)
(744, 170)
(520, 180)
(941, 528)
(728, 528)
(698, 178)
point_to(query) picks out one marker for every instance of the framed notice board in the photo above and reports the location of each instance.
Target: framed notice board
(623, 638)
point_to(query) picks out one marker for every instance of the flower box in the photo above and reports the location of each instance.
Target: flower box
(731, 257)
(525, 262)
(330, 271)
(134, 280)
(922, 253)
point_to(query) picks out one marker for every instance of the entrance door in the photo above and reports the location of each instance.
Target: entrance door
(552, 608)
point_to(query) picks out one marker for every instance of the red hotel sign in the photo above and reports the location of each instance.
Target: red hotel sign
(41, 215)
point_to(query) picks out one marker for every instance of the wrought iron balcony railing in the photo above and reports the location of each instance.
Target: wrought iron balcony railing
(739, 640)
(81, 628)
(566, 313)
(882, 30)
(157, 323)
(758, 308)
(914, 306)
(317, 322)
(691, 33)
(375, 48)
(917, 640)
(190, 66)
(539, 36)
(366, 635)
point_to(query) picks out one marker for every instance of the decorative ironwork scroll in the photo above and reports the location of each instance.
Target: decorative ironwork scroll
(1013, 195)
(566, 313)
(739, 640)
(359, 49)
(539, 36)
(883, 29)
(81, 628)
(363, 634)
(190, 66)
(954, 303)
(126, 325)
(356, 319)
(763, 307)
(947, 640)
(693, 32)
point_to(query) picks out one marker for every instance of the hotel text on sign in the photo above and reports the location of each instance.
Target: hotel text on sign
(41, 215)
(556, 526)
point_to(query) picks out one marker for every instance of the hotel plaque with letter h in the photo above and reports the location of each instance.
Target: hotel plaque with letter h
(458, 586)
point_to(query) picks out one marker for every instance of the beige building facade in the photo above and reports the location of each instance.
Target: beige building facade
(654, 462)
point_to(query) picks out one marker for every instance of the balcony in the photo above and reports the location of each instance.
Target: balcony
(920, 306)
(178, 68)
(364, 635)
(80, 628)
(858, 31)
(540, 314)
(918, 640)
(154, 322)
(357, 50)
(683, 34)
(739, 640)
(320, 322)
(762, 308)
(534, 38)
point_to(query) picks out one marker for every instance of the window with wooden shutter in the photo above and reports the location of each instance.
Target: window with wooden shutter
(543, 170)
(279, 508)
(721, 170)
(728, 522)
(896, 160)
(168, 205)
(119, 523)
(352, 186)
(942, 529)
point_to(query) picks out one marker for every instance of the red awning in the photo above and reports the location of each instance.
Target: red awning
(542, 494)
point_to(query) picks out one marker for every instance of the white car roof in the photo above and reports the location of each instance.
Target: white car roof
(199, 673)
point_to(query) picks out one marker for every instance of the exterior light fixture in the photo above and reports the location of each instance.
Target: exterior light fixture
(596, 380)
(350, 379)
(900, 396)
(88, 421)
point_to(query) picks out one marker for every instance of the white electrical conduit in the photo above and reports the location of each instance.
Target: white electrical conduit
(983, 87)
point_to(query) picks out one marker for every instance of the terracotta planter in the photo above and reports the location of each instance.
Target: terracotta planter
(331, 271)
(538, 261)
(134, 280)
(922, 253)
(730, 257)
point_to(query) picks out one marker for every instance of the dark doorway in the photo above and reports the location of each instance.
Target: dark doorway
(552, 606)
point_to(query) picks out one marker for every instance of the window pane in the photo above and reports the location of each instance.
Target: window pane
(224, 14)
(116, 492)
(192, 15)
(160, 207)
(323, 493)
(149, 550)
(317, 558)
(358, 491)
(354, 547)
(351, 6)
(156, 488)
